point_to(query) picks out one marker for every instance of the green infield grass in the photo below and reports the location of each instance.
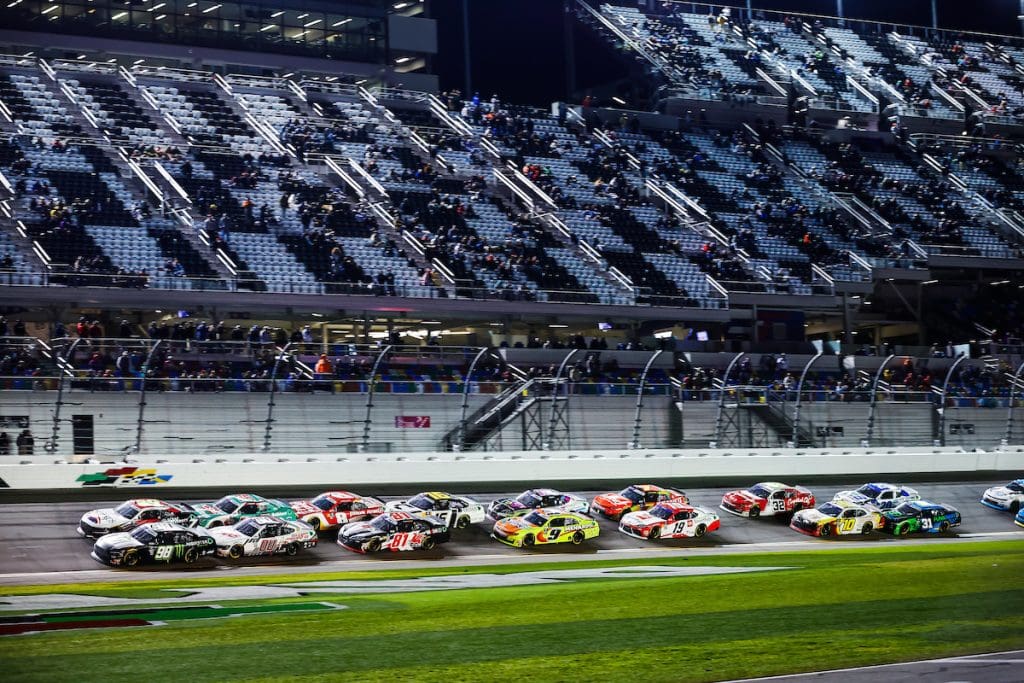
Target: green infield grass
(837, 608)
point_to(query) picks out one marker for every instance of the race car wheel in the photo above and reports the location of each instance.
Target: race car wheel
(1014, 507)
(130, 559)
(655, 533)
(291, 549)
(899, 529)
(428, 543)
(235, 552)
(528, 541)
(461, 522)
(867, 528)
(825, 531)
(373, 546)
(700, 530)
(755, 512)
(315, 523)
(577, 538)
(944, 527)
(191, 555)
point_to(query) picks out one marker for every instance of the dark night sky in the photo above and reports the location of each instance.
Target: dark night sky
(517, 46)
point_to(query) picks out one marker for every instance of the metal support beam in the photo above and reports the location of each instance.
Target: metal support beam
(942, 398)
(465, 397)
(874, 400)
(62, 372)
(372, 383)
(283, 353)
(142, 397)
(721, 397)
(794, 441)
(558, 407)
(635, 443)
(1015, 385)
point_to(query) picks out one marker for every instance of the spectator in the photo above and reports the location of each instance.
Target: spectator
(5, 444)
(26, 444)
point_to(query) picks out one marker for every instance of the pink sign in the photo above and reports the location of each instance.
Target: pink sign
(412, 421)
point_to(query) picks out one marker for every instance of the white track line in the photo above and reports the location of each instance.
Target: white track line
(942, 660)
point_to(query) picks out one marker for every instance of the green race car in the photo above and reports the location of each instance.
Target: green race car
(547, 525)
(232, 509)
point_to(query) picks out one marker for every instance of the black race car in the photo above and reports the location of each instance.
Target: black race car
(160, 542)
(394, 531)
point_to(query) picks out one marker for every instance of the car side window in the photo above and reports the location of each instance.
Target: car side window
(405, 525)
(355, 507)
(886, 495)
(557, 522)
(421, 526)
(778, 495)
(248, 509)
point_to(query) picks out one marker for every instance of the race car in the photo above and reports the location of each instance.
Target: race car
(836, 518)
(634, 498)
(540, 527)
(537, 498)
(157, 542)
(918, 515)
(881, 496)
(767, 498)
(394, 531)
(335, 508)
(133, 513)
(1019, 519)
(263, 535)
(1009, 497)
(231, 509)
(456, 511)
(669, 520)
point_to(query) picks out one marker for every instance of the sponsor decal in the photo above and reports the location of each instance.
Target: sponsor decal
(412, 421)
(124, 476)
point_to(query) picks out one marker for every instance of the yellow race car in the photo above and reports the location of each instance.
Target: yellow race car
(546, 525)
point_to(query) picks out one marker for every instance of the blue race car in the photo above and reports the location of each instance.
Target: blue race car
(918, 516)
(879, 495)
(1019, 519)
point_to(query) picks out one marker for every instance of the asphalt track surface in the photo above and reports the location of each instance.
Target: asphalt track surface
(39, 544)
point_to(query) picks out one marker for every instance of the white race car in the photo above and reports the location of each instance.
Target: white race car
(264, 535)
(836, 518)
(879, 495)
(457, 512)
(669, 520)
(1009, 497)
(535, 499)
(134, 513)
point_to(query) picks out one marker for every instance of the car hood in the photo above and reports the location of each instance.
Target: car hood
(642, 519)
(227, 535)
(612, 501)
(359, 530)
(304, 507)
(513, 524)
(104, 517)
(814, 516)
(507, 504)
(119, 540)
(745, 497)
(854, 497)
(999, 492)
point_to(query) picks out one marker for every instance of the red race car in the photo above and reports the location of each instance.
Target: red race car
(767, 498)
(634, 498)
(336, 508)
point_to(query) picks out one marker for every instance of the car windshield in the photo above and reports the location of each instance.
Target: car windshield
(759, 491)
(144, 535)
(528, 499)
(422, 501)
(830, 509)
(869, 490)
(248, 528)
(632, 493)
(382, 523)
(661, 512)
(907, 509)
(536, 518)
(1016, 486)
(323, 502)
(226, 505)
(127, 510)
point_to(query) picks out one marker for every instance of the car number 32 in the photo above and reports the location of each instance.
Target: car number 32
(779, 505)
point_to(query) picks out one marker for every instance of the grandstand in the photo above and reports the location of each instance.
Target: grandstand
(842, 194)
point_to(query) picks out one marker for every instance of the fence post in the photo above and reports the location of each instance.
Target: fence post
(1014, 386)
(799, 392)
(942, 397)
(281, 354)
(635, 443)
(721, 399)
(874, 400)
(369, 396)
(142, 396)
(554, 397)
(62, 371)
(465, 396)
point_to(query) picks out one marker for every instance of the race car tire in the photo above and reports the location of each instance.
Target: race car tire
(373, 546)
(825, 531)
(235, 552)
(899, 530)
(944, 527)
(428, 543)
(291, 549)
(755, 512)
(867, 528)
(191, 555)
(315, 523)
(461, 522)
(130, 559)
(529, 540)
(577, 538)
(1014, 507)
(655, 533)
(700, 530)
